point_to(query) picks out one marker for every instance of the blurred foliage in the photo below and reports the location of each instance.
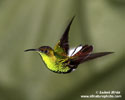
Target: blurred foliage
(32, 23)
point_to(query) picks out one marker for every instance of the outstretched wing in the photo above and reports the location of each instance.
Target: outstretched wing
(96, 55)
(81, 55)
(85, 55)
(62, 46)
(85, 50)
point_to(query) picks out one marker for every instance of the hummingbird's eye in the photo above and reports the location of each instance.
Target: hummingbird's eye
(46, 51)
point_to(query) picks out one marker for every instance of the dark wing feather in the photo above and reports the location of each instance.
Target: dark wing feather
(63, 46)
(81, 55)
(86, 50)
(96, 55)
(82, 59)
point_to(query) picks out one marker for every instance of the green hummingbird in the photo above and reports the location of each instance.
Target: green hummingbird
(58, 59)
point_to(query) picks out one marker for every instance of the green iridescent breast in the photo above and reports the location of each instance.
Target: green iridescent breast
(54, 64)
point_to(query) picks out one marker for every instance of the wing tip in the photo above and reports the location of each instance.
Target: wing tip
(71, 20)
(106, 53)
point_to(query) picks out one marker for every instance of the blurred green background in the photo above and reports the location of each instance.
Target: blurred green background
(28, 24)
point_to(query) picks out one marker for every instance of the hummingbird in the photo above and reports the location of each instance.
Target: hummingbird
(58, 60)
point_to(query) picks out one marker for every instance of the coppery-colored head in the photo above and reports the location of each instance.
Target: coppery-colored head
(44, 49)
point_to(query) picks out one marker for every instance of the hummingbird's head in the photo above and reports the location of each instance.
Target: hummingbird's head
(46, 50)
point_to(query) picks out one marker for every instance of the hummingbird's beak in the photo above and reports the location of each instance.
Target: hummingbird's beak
(31, 50)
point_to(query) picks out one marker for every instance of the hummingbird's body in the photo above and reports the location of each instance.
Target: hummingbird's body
(58, 60)
(54, 62)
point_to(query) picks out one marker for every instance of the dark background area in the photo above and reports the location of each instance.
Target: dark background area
(28, 24)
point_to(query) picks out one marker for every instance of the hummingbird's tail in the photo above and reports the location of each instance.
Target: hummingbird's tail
(85, 54)
(81, 55)
(96, 55)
